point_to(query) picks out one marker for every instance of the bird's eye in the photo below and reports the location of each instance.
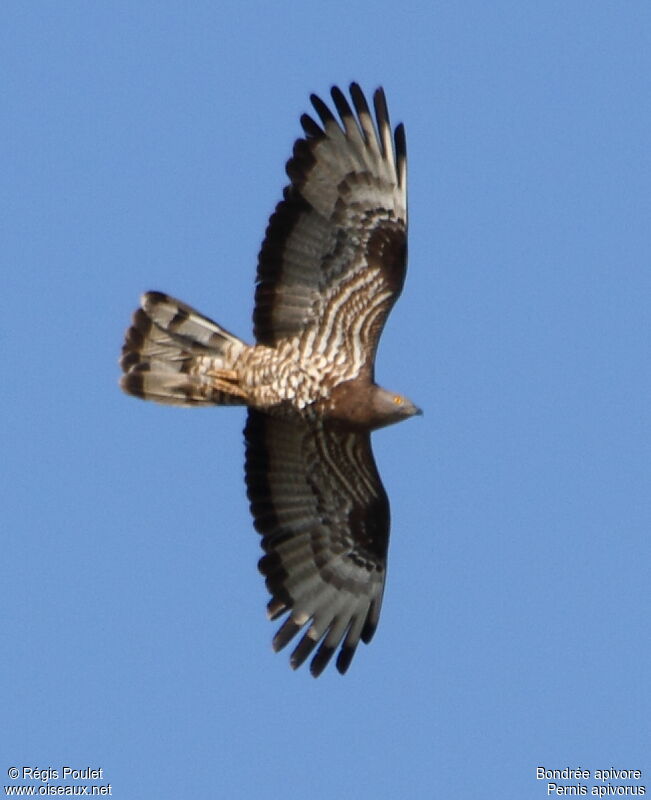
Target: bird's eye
(398, 400)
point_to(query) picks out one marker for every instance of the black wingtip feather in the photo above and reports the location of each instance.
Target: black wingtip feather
(401, 153)
(341, 104)
(369, 630)
(321, 660)
(344, 658)
(380, 105)
(355, 88)
(276, 608)
(285, 634)
(359, 99)
(311, 128)
(322, 110)
(382, 117)
(401, 141)
(133, 384)
(155, 297)
(302, 651)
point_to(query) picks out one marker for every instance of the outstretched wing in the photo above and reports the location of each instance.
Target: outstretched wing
(334, 256)
(317, 499)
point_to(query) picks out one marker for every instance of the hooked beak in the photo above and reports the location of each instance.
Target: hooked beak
(415, 410)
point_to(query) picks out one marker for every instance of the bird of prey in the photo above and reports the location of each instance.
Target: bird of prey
(331, 266)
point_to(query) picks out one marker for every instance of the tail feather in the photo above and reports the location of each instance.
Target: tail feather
(169, 351)
(172, 389)
(187, 326)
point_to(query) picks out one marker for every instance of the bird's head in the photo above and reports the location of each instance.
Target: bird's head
(390, 407)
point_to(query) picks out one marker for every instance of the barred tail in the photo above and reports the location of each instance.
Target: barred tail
(174, 355)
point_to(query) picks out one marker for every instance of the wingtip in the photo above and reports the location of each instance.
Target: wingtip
(321, 660)
(152, 296)
(344, 659)
(379, 96)
(401, 139)
(322, 109)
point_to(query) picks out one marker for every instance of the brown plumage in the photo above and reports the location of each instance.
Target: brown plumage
(331, 266)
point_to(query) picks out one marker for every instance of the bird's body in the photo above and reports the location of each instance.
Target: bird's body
(330, 268)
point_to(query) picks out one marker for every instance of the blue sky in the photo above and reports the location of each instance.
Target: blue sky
(144, 148)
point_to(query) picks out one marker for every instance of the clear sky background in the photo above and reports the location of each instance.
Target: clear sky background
(144, 148)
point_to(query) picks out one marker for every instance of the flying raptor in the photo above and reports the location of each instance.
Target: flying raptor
(331, 266)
